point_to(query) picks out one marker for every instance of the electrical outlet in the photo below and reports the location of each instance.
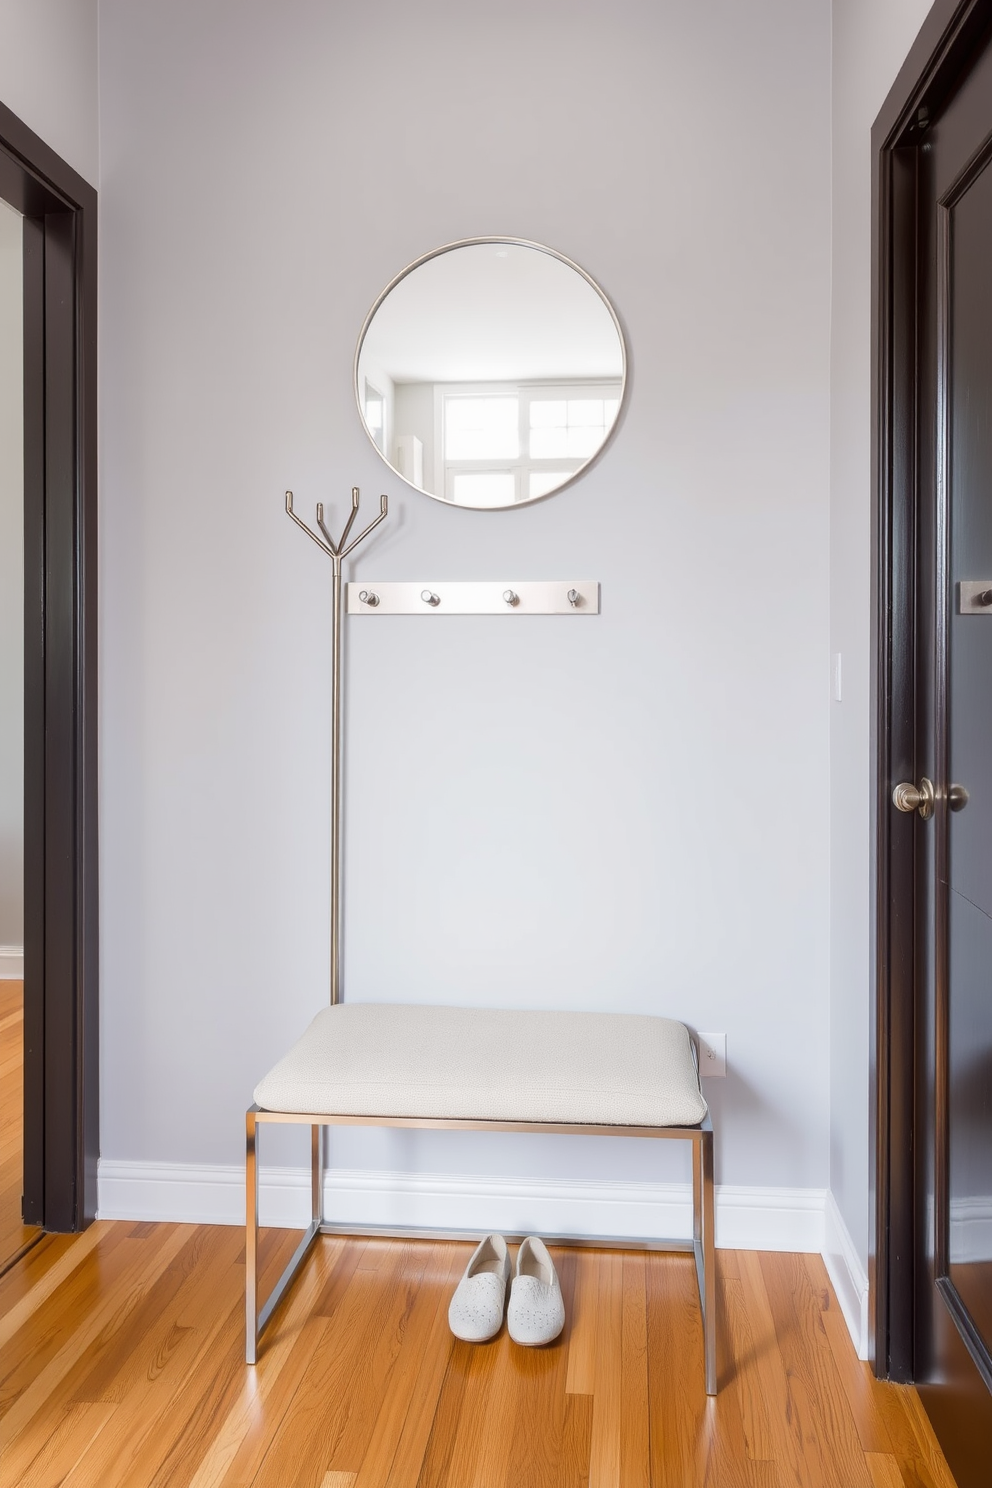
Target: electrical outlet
(712, 1054)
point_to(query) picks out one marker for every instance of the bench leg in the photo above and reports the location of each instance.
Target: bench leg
(251, 1239)
(704, 1245)
(316, 1175)
(256, 1318)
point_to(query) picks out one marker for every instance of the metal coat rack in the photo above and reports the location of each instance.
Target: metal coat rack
(337, 552)
(523, 597)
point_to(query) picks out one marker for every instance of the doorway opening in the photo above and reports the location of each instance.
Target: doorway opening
(52, 212)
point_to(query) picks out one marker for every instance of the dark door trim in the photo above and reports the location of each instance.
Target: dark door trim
(61, 1046)
(952, 33)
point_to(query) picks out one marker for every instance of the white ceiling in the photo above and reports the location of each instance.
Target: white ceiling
(493, 312)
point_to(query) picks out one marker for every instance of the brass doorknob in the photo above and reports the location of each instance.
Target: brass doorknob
(906, 797)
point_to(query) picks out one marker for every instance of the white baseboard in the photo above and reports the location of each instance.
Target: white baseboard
(847, 1274)
(11, 963)
(746, 1218)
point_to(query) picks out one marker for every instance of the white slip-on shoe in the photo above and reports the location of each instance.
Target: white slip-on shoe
(535, 1313)
(475, 1312)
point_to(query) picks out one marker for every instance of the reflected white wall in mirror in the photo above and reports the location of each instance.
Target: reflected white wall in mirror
(490, 372)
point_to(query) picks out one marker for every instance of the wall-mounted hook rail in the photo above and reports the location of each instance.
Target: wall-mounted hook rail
(337, 552)
(528, 597)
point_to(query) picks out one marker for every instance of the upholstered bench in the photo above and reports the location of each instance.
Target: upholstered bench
(600, 1074)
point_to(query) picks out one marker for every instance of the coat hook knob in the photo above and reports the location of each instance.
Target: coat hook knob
(573, 597)
(510, 597)
(369, 597)
(430, 598)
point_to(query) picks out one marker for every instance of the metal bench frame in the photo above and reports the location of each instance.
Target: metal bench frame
(702, 1243)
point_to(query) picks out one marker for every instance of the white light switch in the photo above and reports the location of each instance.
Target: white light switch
(712, 1054)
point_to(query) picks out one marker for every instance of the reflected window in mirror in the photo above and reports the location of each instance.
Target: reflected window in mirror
(502, 444)
(490, 373)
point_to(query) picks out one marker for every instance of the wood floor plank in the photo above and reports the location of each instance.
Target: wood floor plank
(438, 1452)
(70, 1255)
(148, 1443)
(824, 1417)
(675, 1355)
(493, 1442)
(786, 1445)
(723, 1450)
(695, 1440)
(171, 1453)
(884, 1470)
(76, 1429)
(542, 1444)
(582, 1327)
(234, 1450)
(859, 1385)
(922, 1454)
(482, 1373)
(16, 1281)
(14, 1234)
(745, 1378)
(400, 1288)
(121, 1360)
(635, 1417)
(411, 1448)
(26, 1416)
(420, 1339)
(44, 1334)
(153, 1402)
(604, 1451)
(307, 1446)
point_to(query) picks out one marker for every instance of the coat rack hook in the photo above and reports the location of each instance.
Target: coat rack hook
(383, 512)
(303, 526)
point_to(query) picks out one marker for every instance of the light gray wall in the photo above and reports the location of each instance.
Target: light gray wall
(870, 41)
(610, 813)
(48, 75)
(11, 582)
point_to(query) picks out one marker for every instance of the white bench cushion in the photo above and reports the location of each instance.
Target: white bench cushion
(482, 1064)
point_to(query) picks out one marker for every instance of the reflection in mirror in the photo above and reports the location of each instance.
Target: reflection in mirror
(375, 416)
(490, 373)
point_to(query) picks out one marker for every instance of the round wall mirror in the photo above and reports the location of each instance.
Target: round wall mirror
(490, 372)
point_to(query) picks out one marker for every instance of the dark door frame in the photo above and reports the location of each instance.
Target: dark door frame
(61, 1045)
(950, 36)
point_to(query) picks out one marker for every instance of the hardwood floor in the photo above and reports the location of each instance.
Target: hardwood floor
(14, 1236)
(121, 1366)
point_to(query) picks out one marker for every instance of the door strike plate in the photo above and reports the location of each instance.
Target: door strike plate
(975, 597)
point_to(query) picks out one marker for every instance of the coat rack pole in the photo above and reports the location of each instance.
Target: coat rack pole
(336, 627)
(337, 552)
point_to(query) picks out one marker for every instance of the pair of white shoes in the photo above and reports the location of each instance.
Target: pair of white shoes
(535, 1313)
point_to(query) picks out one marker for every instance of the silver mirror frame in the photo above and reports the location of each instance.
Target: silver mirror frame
(513, 243)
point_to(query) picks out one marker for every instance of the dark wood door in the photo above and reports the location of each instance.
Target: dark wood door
(952, 838)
